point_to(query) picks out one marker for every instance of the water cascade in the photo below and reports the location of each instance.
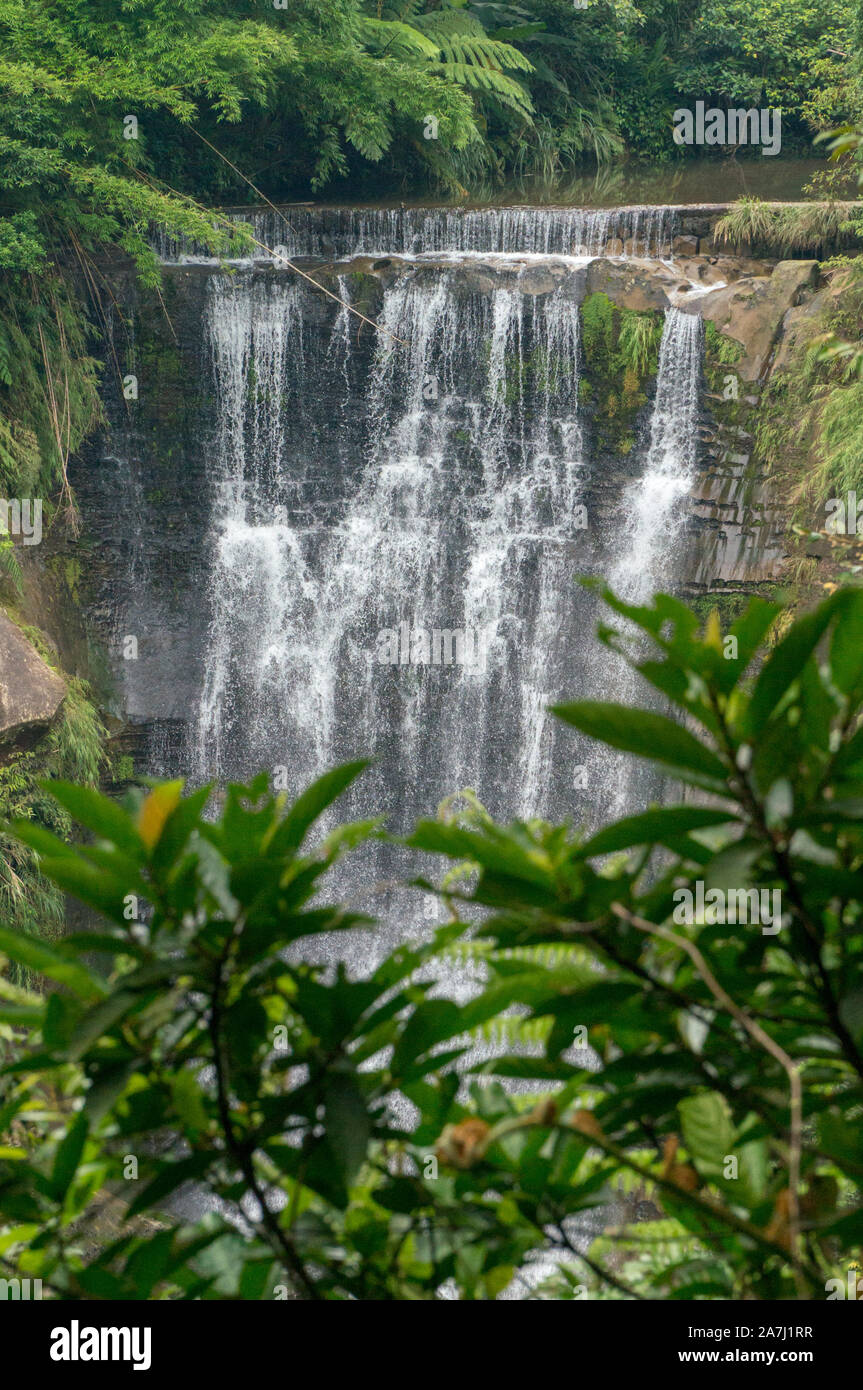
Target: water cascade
(405, 231)
(463, 521)
(654, 512)
(423, 609)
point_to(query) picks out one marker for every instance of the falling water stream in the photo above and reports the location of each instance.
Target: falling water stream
(463, 517)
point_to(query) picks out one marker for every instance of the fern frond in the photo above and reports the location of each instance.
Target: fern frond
(400, 39)
(469, 43)
(511, 1030)
(505, 89)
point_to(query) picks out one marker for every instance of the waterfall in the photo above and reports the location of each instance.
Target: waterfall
(343, 232)
(653, 508)
(396, 526)
(653, 518)
(452, 545)
(420, 606)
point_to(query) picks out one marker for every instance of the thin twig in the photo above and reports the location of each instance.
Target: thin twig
(290, 264)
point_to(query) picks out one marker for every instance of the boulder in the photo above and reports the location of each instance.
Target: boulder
(632, 287)
(30, 692)
(806, 321)
(752, 310)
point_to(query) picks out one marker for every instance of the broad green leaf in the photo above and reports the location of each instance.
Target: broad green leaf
(654, 827)
(501, 855)
(786, 663)
(749, 631)
(432, 1022)
(99, 814)
(708, 1129)
(45, 960)
(347, 1122)
(647, 736)
(312, 803)
(846, 648)
(69, 1156)
(100, 1020)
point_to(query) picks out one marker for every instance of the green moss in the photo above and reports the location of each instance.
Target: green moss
(72, 575)
(730, 607)
(597, 328)
(621, 352)
(719, 348)
(122, 768)
(810, 424)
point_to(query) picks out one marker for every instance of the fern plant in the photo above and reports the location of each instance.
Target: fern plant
(452, 44)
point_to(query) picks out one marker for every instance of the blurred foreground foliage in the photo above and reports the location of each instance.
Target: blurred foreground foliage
(687, 1118)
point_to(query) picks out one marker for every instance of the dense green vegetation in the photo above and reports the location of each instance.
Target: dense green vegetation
(75, 746)
(119, 118)
(719, 1105)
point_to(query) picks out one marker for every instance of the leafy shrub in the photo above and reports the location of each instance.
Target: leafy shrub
(322, 1119)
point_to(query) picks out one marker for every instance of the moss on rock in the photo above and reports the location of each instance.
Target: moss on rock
(621, 353)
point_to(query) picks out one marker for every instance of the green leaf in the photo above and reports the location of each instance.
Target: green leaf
(189, 1101)
(347, 1122)
(94, 886)
(68, 1157)
(22, 1015)
(312, 803)
(708, 1130)
(750, 631)
(851, 1013)
(107, 1086)
(786, 663)
(432, 1022)
(99, 814)
(500, 855)
(45, 960)
(846, 649)
(647, 736)
(177, 829)
(654, 827)
(100, 1020)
